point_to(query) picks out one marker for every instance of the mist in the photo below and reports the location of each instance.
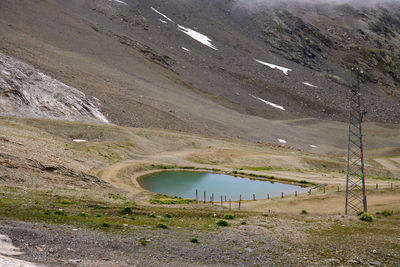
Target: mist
(251, 4)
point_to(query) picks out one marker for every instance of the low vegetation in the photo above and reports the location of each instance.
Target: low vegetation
(161, 225)
(365, 217)
(229, 216)
(222, 223)
(385, 213)
(194, 240)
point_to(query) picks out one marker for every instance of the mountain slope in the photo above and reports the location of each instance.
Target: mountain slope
(144, 64)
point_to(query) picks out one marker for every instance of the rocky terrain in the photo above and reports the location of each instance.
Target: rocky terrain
(27, 92)
(97, 93)
(143, 62)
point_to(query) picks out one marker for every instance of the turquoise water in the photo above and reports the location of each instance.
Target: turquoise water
(184, 184)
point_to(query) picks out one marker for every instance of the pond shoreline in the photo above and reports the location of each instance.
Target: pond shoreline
(137, 177)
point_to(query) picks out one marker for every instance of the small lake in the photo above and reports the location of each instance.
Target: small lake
(184, 184)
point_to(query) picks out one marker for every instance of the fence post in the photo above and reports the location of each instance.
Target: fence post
(222, 202)
(254, 196)
(204, 197)
(376, 186)
(239, 203)
(230, 204)
(268, 196)
(197, 196)
(282, 194)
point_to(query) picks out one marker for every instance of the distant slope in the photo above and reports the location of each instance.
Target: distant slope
(198, 66)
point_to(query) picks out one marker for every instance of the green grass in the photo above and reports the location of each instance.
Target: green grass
(19, 204)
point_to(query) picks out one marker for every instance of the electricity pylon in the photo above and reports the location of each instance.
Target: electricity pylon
(356, 198)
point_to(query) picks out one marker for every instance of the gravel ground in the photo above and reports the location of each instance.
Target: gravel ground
(62, 245)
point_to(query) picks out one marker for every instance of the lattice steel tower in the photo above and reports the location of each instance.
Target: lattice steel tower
(356, 199)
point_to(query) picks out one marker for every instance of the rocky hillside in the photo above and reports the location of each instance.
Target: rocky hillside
(30, 93)
(220, 67)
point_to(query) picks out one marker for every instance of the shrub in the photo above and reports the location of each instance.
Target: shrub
(385, 213)
(98, 215)
(83, 214)
(161, 225)
(222, 223)
(167, 215)
(60, 212)
(366, 217)
(47, 212)
(105, 224)
(152, 215)
(194, 240)
(132, 218)
(304, 212)
(126, 210)
(243, 223)
(360, 213)
(265, 215)
(229, 216)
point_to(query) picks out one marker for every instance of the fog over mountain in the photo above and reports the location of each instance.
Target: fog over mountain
(255, 3)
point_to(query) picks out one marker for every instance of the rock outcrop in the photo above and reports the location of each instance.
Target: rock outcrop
(25, 91)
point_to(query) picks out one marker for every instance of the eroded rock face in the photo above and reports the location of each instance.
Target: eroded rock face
(25, 91)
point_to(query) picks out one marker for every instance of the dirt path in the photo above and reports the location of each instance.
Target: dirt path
(112, 174)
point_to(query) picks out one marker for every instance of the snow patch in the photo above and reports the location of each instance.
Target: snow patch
(119, 1)
(163, 21)
(161, 14)
(8, 249)
(282, 141)
(309, 84)
(79, 141)
(184, 48)
(198, 37)
(269, 103)
(284, 70)
(313, 146)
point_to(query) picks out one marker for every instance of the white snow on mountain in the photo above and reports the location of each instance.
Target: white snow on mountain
(273, 66)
